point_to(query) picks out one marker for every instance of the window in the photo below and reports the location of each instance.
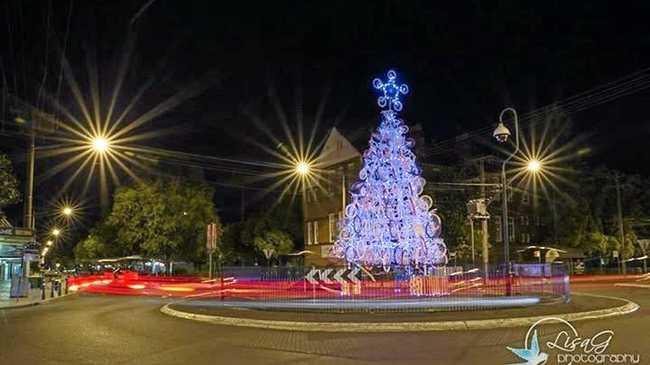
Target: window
(523, 220)
(332, 226)
(497, 228)
(525, 238)
(315, 232)
(309, 232)
(538, 221)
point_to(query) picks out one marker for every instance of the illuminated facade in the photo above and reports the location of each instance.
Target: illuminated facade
(15, 255)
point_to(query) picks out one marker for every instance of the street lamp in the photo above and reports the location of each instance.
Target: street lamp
(67, 211)
(56, 232)
(49, 243)
(501, 133)
(533, 166)
(302, 168)
(100, 144)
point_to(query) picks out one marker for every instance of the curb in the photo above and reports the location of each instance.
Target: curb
(17, 306)
(371, 327)
(38, 302)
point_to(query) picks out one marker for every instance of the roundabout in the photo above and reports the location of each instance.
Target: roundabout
(597, 307)
(414, 304)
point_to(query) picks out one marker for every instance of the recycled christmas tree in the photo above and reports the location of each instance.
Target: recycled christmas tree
(388, 221)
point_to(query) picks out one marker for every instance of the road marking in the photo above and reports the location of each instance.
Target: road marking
(645, 286)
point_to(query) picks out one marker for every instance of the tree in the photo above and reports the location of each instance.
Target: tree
(387, 221)
(598, 244)
(100, 243)
(164, 218)
(9, 193)
(243, 241)
(278, 241)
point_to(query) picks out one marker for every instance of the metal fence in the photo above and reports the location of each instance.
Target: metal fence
(345, 289)
(348, 289)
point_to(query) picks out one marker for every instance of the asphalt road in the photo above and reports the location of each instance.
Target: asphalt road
(126, 330)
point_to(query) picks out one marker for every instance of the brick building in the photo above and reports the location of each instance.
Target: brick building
(339, 163)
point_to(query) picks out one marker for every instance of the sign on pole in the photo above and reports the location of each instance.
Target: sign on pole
(212, 235)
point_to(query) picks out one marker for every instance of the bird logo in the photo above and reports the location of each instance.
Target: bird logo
(532, 355)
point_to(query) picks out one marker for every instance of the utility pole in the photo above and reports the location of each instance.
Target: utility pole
(554, 209)
(484, 222)
(471, 233)
(243, 205)
(620, 224)
(343, 193)
(28, 220)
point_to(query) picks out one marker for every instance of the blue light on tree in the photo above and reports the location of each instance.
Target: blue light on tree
(388, 222)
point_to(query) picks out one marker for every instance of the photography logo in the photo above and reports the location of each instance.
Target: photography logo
(566, 346)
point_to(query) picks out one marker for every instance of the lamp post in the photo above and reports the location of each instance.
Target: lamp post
(100, 144)
(67, 211)
(501, 133)
(302, 169)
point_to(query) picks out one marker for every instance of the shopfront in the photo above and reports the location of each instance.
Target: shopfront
(14, 257)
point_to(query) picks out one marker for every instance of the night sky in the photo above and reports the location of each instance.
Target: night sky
(464, 63)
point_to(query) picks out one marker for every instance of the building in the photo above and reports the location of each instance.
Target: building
(339, 163)
(528, 215)
(16, 255)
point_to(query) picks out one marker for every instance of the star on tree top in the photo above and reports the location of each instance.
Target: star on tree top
(391, 92)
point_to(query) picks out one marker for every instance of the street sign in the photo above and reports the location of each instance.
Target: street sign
(477, 209)
(324, 276)
(212, 236)
(338, 277)
(341, 276)
(615, 254)
(310, 276)
(213, 233)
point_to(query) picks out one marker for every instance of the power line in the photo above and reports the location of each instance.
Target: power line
(598, 95)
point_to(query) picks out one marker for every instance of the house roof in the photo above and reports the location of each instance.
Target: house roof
(4, 223)
(337, 148)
